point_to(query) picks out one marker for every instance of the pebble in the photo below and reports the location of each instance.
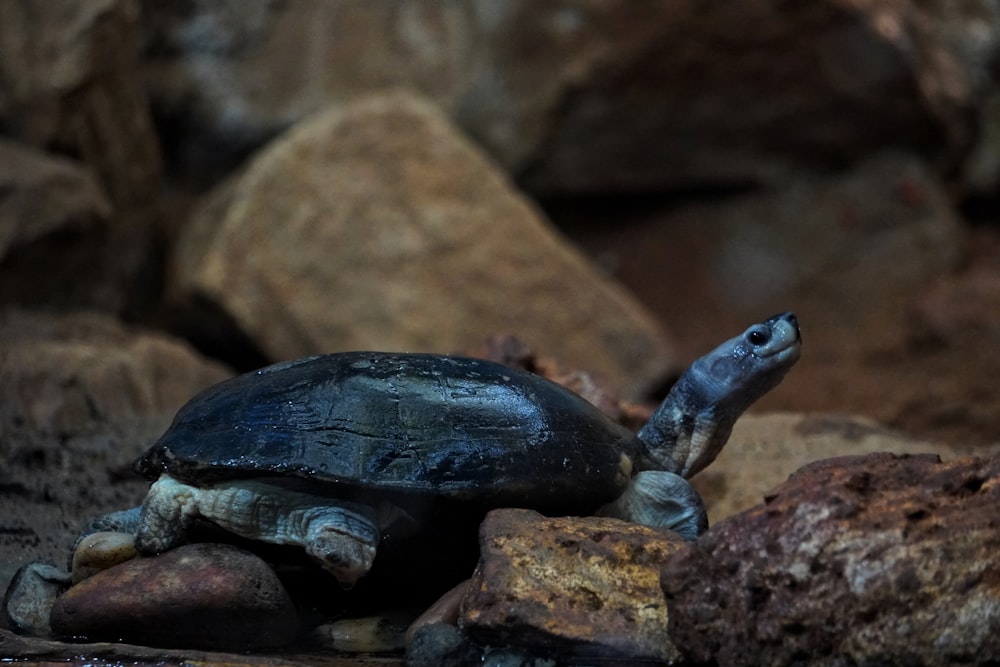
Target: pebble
(207, 596)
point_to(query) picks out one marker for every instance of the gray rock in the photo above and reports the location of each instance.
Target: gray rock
(573, 588)
(380, 227)
(28, 600)
(209, 596)
(876, 559)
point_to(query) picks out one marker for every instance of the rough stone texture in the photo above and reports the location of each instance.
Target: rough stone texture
(586, 587)
(199, 596)
(593, 96)
(70, 82)
(380, 227)
(877, 559)
(81, 396)
(765, 449)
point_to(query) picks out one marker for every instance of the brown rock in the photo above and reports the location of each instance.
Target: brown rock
(596, 96)
(81, 396)
(196, 596)
(71, 373)
(54, 222)
(877, 559)
(379, 226)
(70, 81)
(586, 587)
(765, 449)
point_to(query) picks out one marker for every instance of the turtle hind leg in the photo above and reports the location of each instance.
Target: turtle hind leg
(662, 500)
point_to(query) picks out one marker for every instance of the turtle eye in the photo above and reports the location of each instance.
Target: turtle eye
(758, 336)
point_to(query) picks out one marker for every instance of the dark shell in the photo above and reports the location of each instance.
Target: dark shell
(446, 427)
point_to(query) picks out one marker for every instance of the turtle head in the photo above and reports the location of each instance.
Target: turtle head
(692, 425)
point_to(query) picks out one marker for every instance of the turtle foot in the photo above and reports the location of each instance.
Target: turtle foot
(661, 499)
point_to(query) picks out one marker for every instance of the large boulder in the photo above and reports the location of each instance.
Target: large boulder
(876, 559)
(379, 226)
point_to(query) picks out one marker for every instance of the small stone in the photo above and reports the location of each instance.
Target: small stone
(445, 610)
(441, 645)
(210, 596)
(877, 559)
(584, 587)
(385, 633)
(30, 596)
(99, 551)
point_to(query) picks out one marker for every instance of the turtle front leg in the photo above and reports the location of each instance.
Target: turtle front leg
(662, 500)
(167, 512)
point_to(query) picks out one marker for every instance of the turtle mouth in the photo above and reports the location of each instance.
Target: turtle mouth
(783, 338)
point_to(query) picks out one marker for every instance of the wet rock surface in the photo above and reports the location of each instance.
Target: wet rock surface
(199, 595)
(585, 587)
(856, 560)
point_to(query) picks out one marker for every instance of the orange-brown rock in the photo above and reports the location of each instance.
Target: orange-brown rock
(878, 559)
(586, 587)
(212, 596)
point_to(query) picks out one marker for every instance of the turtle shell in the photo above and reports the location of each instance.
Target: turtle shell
(442, 426)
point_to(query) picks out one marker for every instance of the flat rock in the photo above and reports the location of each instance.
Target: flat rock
(208, 596)
(379, 226)
(586, 587)
(765, 449)
(876, 559)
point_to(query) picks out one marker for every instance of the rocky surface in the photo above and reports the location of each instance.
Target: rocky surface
(585, 587)
(873, 559)
(593, 97)
(351, 231)
(765, 449)
(81, 396)
(209, 596)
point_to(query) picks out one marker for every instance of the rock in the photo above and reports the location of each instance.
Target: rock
(586, 588)
(957, 304)
(70, 81)
(876, 559)
(593, 97)
(384, 633)
(81, 396)
(356, 229)
(53, 214)
(67, 374)
(209, 596)
(441, 645)
(28, 600)
(80, 88)
(765, 449)
(99, 551)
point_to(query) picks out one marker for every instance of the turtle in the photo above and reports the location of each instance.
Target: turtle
(345, 454)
